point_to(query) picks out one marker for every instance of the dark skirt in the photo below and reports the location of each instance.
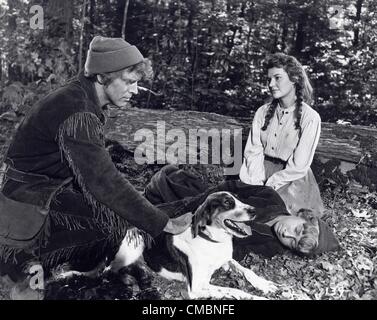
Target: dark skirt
(299, 194)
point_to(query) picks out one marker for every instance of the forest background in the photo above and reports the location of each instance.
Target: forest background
(207, 54)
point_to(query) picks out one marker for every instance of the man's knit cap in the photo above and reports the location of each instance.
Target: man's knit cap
(110, 54)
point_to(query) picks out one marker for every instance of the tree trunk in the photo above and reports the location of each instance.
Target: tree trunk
(82, 33)
(247, 48)
(284, 33)
(125, 19)
(356, 31)
(13, 69)
(190, 29)
(300, 34)
(209, 37)
(61, 13)
(350, 151)
(234, 29)
(252, 20)
(92, 18)
(192, 48)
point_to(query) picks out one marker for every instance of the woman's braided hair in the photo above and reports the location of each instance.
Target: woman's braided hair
(296, 74)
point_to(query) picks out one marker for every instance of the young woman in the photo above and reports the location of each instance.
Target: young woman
(284, 136)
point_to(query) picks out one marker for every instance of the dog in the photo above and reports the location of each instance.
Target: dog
(194, 255)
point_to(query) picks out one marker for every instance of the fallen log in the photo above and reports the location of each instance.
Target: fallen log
(164, 136)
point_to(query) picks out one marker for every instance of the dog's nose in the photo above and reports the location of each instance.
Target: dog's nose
(250, 209)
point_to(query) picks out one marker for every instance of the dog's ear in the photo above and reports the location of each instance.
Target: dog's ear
(201, 217)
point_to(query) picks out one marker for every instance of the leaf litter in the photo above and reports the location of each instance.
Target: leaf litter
(349, 274)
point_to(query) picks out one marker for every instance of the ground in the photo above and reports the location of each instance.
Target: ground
(350, 273)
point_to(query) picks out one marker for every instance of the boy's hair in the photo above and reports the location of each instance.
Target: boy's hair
(143, 69)
(310, 235)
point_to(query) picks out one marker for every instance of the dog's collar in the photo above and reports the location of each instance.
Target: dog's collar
(204, 236)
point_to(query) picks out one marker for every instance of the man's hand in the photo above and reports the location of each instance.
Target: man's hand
(179, 224)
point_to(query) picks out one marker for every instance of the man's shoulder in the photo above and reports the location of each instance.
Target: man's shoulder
(68, 96)
(52, 110)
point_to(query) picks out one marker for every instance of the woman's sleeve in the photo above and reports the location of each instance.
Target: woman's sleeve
(299, 162)
(80, 140)
(252, 169)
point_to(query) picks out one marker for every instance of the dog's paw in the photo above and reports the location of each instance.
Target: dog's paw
(265, 286)
(217, 292)
(260, 283)
(259, 298)
(246, 296)
(243, 296)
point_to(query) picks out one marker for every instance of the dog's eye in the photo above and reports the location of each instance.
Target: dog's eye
(227, 203)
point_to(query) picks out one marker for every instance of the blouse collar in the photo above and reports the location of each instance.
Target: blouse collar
(286, 110)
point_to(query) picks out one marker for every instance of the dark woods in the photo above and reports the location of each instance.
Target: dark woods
(207, 54)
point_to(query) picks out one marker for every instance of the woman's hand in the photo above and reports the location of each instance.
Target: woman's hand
(179, 224)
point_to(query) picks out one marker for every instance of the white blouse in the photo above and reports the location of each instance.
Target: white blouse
(280, 140)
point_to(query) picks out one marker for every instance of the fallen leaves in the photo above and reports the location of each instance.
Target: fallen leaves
(349, 274)
(327, 266)
(364, 263)
(361, 213)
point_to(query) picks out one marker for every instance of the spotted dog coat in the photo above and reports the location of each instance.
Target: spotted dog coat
(194, 255)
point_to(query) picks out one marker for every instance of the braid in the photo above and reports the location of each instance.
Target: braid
(269, 114)
(298, 110)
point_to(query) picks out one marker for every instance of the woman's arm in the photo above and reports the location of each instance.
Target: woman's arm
(299, 162)
(252, 170)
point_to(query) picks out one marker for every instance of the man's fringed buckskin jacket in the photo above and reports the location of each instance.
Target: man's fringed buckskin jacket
(62, 137)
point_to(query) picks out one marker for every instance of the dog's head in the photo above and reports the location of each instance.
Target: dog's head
(223, 211)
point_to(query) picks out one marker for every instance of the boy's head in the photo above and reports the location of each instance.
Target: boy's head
(305, 233)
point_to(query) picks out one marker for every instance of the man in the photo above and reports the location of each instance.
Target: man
(62, 199)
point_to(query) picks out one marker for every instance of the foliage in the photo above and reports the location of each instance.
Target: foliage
(207, 54)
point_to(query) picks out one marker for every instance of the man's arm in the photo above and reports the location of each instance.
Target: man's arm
(80, 139)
